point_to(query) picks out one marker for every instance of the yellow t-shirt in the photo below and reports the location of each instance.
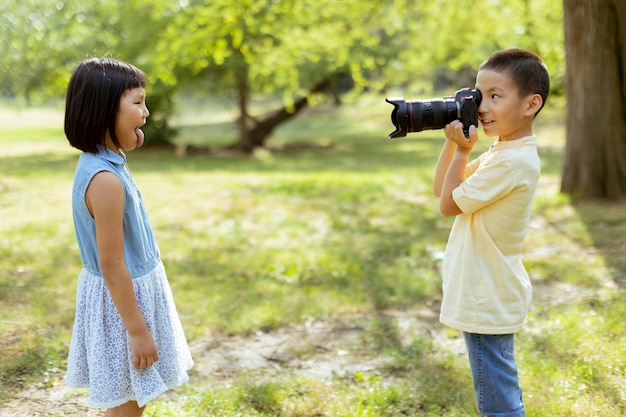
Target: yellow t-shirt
(486, 288)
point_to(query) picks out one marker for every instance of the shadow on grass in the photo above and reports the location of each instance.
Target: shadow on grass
(38, 164)
(356, 153)
(580, 338)
(606, 224)
(238, 287)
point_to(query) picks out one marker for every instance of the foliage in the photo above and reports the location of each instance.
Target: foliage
(267, 47)
(260, 48)
(44, 41)
(282, 47)
(450, 34)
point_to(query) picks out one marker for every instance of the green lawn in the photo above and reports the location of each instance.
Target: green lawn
(337, 224)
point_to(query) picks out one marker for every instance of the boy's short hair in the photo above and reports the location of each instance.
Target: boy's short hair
(525, 68)
(93, 99)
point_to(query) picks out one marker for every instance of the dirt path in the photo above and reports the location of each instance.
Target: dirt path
(316, 349)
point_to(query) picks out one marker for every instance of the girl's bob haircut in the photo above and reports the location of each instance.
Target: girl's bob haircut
(93, 100)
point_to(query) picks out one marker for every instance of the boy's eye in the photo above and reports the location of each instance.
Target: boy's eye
(495, 96)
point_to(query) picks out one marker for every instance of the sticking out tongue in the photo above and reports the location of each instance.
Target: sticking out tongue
(140, 137)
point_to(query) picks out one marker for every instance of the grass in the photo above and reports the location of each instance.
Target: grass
(339, 224)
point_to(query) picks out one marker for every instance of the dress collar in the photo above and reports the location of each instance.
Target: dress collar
(109, 155)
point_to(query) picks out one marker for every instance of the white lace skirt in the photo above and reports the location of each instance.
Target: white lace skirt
(100, 358)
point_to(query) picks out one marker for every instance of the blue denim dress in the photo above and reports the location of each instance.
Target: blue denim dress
(100, 357)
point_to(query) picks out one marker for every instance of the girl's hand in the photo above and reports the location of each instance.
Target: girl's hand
(144, 350)
(454, 133)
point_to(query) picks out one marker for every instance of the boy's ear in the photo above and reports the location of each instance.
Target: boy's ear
(533, 104)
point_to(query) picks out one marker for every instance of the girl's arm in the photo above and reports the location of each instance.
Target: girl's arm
(105, 200)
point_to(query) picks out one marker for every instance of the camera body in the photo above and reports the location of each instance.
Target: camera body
(416, 115)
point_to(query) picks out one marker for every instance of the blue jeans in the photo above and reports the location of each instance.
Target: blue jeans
(494, 372)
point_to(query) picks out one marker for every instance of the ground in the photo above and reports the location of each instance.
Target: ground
(316, 349)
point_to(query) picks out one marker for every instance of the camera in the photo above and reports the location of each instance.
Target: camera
(416, 115)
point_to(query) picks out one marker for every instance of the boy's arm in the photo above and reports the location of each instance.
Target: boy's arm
(442, 166)
(454, 177)
(455, 173)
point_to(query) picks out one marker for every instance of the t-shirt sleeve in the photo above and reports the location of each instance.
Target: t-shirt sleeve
(484, 185)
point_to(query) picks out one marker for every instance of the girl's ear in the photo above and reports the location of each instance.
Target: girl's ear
(534, 103)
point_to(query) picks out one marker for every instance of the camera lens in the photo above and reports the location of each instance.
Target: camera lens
(417, 115)
(431, 114)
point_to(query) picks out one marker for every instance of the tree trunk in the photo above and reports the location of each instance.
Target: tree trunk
(241, 79)
(257, 135)
(595, 46)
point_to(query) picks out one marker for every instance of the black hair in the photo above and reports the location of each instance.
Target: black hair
(526, 69)
(93, 100)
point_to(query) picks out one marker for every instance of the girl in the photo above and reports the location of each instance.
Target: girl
(128, 345)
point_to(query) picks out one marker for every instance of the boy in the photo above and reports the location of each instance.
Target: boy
(486, 290)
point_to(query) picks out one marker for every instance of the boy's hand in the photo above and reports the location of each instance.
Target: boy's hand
(144, 350)
(454, 132)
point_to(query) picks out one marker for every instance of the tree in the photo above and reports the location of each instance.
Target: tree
(595, 152)
(289, 48)
(298, 48)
